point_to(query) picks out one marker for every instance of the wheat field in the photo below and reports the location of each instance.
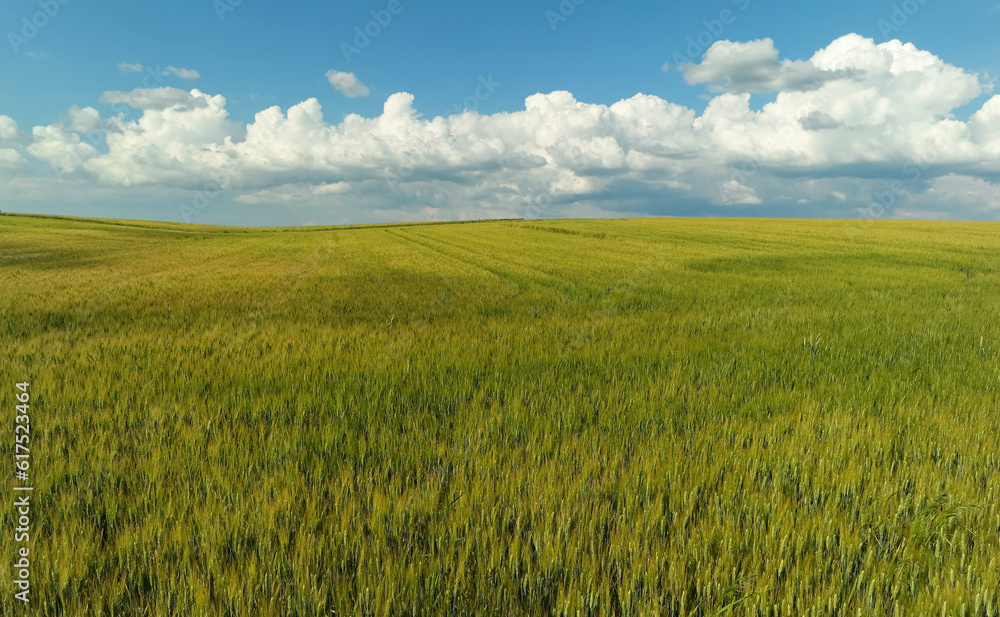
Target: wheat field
(684, 417)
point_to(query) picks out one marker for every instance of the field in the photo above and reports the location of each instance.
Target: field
(629, 417)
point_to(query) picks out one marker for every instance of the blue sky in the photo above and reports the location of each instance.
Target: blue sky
(114, 109)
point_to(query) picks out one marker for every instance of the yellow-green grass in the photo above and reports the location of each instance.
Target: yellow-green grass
(636, 417)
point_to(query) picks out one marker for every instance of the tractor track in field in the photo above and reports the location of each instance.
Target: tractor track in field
(443, 254)
(497, 272)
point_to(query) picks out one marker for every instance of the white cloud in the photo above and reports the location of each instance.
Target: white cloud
(84, 120)
(754, 67)
(129, 67)
(293, 193)
(156, 99)
(181, 138)
(64, 151)
(984, 126)
(181, 73)
(8, 128)
(735, 193)
(844, 125)
(11, 159)
(347, 83)
(967, 192)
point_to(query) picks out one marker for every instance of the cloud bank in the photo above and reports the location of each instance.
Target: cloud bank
(844, 126)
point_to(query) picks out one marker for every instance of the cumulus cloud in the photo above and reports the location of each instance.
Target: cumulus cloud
(11, 159)
(754, 67)
(963, 190)
(733, 192)
(84, 120)
(817, 121)
(952, 196)
(984, 126)
(181, 138)
(63, 150)
(8, 128)
(130, 67)
(181, 73)
(845, 123)
(347, 83)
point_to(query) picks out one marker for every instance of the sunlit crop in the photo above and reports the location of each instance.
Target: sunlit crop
(631, 417)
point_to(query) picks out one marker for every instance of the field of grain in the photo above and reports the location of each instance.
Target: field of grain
(685, 417)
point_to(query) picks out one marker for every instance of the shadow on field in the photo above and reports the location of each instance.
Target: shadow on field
(52, 260)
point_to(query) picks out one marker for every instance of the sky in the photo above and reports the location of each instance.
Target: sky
(245, 112)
